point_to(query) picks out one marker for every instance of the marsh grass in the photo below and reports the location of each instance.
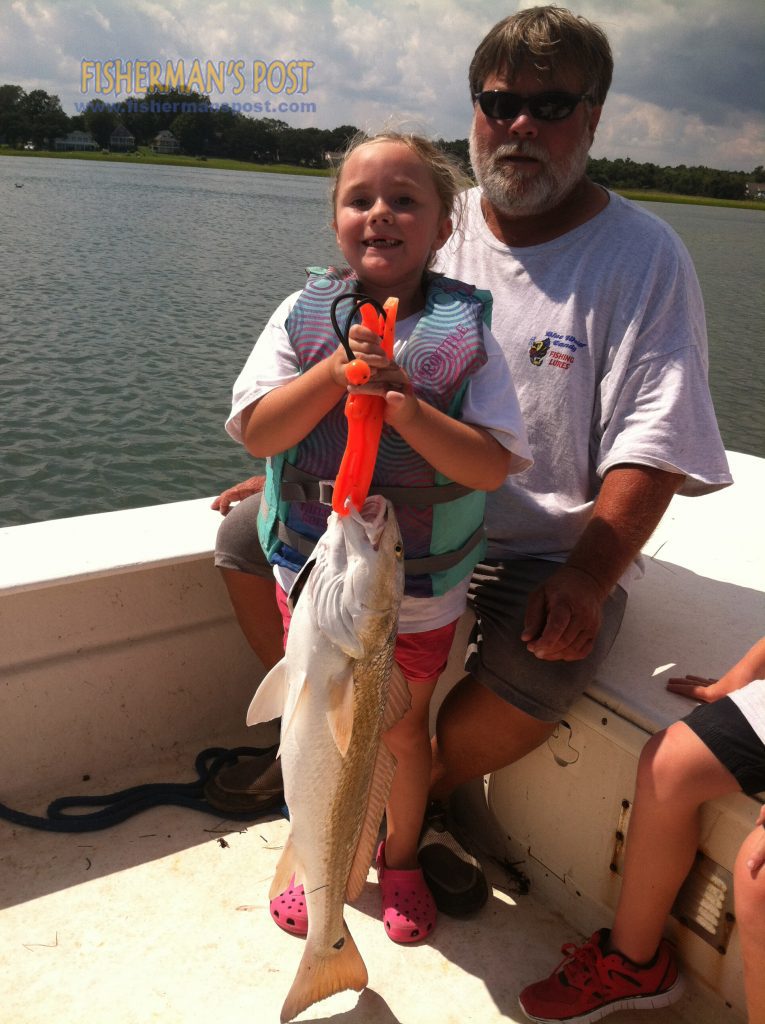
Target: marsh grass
(146, 156)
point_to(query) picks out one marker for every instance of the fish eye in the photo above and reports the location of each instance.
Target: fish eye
(399, 549)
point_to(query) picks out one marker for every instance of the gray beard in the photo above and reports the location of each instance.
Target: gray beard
(516, 195)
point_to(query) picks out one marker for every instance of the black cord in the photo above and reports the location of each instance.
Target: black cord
(358, 301)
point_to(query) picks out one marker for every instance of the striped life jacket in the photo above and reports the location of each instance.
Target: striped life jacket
(441, 522)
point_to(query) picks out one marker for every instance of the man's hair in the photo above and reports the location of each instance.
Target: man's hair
(545, 39)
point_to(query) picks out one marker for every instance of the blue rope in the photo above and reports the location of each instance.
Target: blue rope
(118, 807)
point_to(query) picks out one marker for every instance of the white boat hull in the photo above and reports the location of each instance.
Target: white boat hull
(121, 659)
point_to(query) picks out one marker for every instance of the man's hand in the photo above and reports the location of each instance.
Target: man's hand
(563, 616)
(238, 492)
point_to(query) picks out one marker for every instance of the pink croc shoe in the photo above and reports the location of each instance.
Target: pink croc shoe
(289, 909)
(409, 912)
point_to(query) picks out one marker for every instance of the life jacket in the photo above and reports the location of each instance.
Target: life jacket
(441, 522)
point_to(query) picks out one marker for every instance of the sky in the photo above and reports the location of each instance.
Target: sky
(688, 88)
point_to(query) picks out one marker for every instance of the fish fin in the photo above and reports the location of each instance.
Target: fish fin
(320, 977)
(300, 682)
(340, 713)
(379, 790)
(270, 696)
(399, 699)
(289, 870)
(299, 583)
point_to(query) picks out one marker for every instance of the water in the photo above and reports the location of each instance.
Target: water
(728, 250)
(133, 294)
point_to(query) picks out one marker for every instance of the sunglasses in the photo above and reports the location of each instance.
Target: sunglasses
(543, 106)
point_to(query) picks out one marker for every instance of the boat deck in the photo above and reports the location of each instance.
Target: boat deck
(120, 660)
(164, 918)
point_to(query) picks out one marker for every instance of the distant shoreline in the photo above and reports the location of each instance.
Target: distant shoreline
(156, 159)
(222, 164)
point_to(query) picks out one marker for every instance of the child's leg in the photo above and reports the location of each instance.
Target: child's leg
(676, 774)
(409, 742)
(749, 894)
(421, 657)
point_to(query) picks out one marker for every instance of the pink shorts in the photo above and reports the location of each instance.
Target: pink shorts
(421, 657)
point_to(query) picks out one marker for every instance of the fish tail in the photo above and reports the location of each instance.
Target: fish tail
(320, 977)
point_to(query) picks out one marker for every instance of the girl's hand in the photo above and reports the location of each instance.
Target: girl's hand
(366, 345)
(393, 385)
(387, 379)
(699, 688)
(337, 363)
(751, 667)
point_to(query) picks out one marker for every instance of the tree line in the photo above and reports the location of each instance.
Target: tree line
(205, 129)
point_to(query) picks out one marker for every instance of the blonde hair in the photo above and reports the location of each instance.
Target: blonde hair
(449, 180)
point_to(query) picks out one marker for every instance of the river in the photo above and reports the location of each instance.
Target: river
(132, 295)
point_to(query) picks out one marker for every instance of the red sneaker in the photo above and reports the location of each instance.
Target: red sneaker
(589, 984)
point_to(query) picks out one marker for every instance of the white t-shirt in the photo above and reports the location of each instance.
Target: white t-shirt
(604, 332)
(750, 700)
(490, 402)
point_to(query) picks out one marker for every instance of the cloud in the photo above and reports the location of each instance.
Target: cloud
(648, 133)
(700, 58)
(688, 82)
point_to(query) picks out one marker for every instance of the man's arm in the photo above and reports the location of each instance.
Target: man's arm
(563, 615)
(237, 493)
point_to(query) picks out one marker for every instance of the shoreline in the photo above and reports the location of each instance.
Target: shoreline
(223, 164)
(168, 160)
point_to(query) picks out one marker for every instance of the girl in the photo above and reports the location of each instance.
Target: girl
(453, 430)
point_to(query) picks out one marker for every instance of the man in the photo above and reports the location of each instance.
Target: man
(598, 310)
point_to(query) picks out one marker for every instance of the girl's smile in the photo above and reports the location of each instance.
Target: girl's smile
(389, 220)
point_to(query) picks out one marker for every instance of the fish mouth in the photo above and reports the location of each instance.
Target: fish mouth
(368, 523)
(373, 517)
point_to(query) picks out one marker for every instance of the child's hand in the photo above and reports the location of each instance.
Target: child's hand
(756, 856)
(697, 688)
(751, 667)
(366, 345)
(337, 363)
(387, 378)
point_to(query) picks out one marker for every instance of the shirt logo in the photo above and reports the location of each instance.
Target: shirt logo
(560, 348)
(538, 350)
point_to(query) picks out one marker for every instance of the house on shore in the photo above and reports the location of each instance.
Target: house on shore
(165, 142)
(755, 190)
(121, 140)
(77, 140)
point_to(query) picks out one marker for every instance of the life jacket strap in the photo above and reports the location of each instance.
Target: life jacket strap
(412, 566)
(298, 485)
